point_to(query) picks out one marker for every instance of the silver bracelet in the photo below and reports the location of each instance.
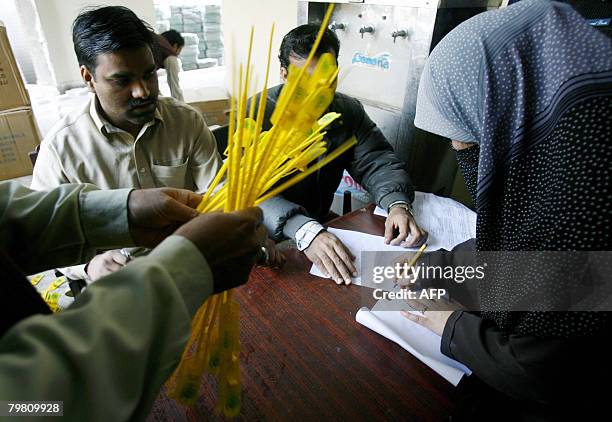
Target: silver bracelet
(403, 205)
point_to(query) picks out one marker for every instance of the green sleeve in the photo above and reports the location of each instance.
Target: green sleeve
(107, 356)
(62, 226)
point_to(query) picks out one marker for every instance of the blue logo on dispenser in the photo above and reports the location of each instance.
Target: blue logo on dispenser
(600, 22)
(381, 61)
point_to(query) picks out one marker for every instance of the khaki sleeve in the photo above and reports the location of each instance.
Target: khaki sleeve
(62, 226)
(48, 171)
(107, 356)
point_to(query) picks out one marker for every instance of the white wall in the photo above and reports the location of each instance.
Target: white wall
(56, 17)
(239, 16)
(18, 39)
(35, 43)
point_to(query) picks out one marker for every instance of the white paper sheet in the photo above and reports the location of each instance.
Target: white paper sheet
(358, 242)
(447, 221)
(417, 340)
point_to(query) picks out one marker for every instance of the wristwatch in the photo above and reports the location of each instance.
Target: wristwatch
(403, 205)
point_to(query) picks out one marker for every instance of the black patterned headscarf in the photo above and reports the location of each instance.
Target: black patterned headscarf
(531, 84)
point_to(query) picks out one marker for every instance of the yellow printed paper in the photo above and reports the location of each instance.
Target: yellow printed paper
(36, 279)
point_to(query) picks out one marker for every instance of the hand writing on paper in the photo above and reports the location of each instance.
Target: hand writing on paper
(403, 222)
(433, 320)
(407, 279)
(331, 257)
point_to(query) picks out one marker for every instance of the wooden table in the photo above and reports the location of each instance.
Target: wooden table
(304, 357)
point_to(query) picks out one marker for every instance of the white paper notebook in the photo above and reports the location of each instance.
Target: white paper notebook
(358, 242)
(419, 341)
(447, 221)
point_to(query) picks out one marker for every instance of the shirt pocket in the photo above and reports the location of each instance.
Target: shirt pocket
(171, 175)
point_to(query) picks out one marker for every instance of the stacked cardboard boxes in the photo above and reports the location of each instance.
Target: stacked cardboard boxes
(18, 132)
(162, 18)
(201, 28)
(189, 55)
(213, 33)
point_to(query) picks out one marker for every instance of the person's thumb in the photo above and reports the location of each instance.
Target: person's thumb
(253, 213)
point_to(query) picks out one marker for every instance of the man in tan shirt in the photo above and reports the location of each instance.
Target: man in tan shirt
(176, 149)
(126, 137)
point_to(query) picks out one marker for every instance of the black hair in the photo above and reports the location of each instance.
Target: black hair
(174, 37)
(299, 42)
(107, 30)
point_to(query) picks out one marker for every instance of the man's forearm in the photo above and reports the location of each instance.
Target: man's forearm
(62, 226)
(141, 314)
(278, 213)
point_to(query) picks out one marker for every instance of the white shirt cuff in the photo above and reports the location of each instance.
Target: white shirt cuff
(306, 234)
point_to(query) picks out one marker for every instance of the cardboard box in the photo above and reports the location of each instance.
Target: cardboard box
(18, 136)
(13, 93)
(215, 112)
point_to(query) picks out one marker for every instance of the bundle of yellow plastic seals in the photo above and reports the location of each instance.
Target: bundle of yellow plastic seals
(257, 162)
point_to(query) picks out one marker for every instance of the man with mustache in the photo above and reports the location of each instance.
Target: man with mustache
(126, 137)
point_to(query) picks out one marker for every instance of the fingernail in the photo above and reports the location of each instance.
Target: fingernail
(354, 273)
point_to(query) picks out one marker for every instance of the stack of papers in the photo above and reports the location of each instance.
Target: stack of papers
(358, 242)
(448, 223)
(414, 338)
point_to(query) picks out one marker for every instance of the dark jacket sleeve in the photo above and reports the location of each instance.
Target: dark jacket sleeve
(520, 366)
(277, 212)
(542, 369)
(375, 165)
(524, 367)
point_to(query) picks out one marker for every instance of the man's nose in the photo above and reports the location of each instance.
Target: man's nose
(140, 90)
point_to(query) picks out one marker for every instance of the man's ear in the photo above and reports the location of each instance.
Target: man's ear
(283, 73)
(88, 78)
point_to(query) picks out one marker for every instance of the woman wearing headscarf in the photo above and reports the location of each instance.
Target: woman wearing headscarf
(525, 94)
